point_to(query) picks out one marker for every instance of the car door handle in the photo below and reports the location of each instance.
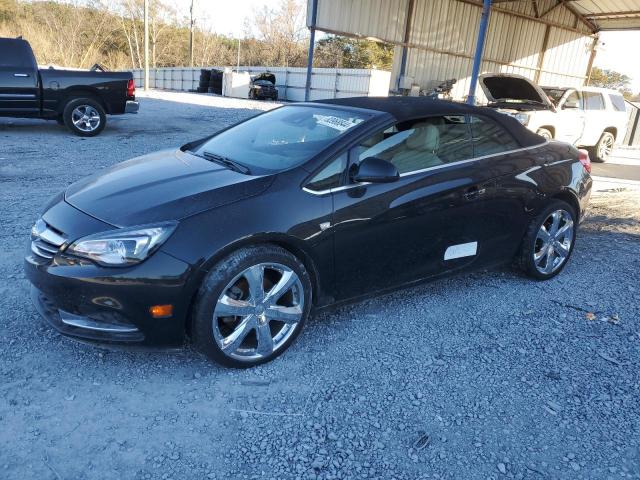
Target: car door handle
(474, 192)
(20, 74)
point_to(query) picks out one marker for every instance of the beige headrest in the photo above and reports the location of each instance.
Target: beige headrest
(425, 137)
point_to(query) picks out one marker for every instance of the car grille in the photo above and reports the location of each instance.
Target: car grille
(46, 240)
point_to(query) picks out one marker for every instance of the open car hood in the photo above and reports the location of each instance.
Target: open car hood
(269, 77)
(510, 88)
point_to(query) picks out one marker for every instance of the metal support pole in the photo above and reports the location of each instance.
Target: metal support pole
(312, 39)
(407, 37)
(477, 59)
(146, 45)
(592, 57)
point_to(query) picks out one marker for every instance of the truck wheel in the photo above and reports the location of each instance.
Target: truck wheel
(84, 117)
(602, 150)
(544, 133)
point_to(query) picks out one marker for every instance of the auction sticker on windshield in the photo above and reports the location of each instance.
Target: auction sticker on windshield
(337, 123)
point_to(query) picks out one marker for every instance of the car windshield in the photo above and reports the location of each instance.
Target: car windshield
(282, 138)
(554, 94)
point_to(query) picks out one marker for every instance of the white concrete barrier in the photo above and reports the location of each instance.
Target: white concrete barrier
(325, 82)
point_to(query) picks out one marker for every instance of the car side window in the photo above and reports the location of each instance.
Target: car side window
(593, 101)
(420, 144)
(490, 138)
(618, 102)
(16, 54)
(573, 101)
(330, 176)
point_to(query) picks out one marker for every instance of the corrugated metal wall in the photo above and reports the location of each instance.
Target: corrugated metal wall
(325, 82)
(443, 35)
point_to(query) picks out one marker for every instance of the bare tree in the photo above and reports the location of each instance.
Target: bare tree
(283, 28)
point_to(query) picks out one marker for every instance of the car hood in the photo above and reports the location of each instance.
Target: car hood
(509, 88)
(165, 185)
(269, 77)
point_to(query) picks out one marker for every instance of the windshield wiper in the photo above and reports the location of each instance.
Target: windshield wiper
(227, 162)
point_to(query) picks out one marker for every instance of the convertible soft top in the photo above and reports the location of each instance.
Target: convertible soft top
(413, 108)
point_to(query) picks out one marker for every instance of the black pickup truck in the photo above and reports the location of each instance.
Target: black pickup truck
(79, 99)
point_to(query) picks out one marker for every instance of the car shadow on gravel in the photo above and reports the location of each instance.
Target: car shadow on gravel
(27, 126)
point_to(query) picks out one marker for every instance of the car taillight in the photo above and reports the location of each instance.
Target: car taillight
(583, 156)
(131, 88)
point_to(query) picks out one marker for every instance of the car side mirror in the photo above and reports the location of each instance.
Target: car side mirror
(375, 170)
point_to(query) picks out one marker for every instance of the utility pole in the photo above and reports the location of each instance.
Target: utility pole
(191, 35)
(238, 69)
(146, 45)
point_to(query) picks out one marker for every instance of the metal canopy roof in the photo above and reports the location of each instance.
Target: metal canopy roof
(602, 14)
(609, 14)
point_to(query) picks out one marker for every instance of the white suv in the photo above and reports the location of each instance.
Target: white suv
(590, 117)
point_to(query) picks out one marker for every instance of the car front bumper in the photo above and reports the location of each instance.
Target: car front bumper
(106, 304)
(110, 305)
(131, 106)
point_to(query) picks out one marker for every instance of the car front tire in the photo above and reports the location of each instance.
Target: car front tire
(549, 241)
(251, 306)
(546, 134)
(85, 117)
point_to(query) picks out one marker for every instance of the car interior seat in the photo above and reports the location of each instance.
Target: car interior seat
(419, 149)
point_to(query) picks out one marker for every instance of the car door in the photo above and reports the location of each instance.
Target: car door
(503, 209)
(571, 117)
(616, 105)
(423, 224)
(19, 93)
(596, 118)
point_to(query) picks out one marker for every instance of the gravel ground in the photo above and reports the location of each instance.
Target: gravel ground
(488, 375)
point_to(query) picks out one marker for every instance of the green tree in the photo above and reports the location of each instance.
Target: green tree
(344, 52)
(610, 79)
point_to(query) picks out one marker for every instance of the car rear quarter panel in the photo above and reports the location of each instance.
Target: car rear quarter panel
(59, 86)
(559, 174)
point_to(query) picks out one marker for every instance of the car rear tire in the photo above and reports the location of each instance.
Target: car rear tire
(602, 150)
(549, 241)
(543, 132)
(251, 306)
(85, 117)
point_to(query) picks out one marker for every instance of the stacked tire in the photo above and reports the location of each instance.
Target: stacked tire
(215, 82)
(205, 78)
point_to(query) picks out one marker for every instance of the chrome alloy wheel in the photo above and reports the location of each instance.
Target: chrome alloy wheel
(553, 242)
(605, 147)
(258, 311)
(85, 118)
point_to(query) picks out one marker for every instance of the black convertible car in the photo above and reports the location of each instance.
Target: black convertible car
(233, 240)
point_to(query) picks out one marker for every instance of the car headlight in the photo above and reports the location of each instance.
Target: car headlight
(523, 118)
(122, 247)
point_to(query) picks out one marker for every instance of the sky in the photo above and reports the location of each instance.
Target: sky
(619, 52)
(228, 17)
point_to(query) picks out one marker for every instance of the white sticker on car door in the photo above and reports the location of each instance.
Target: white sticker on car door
(461, 250)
